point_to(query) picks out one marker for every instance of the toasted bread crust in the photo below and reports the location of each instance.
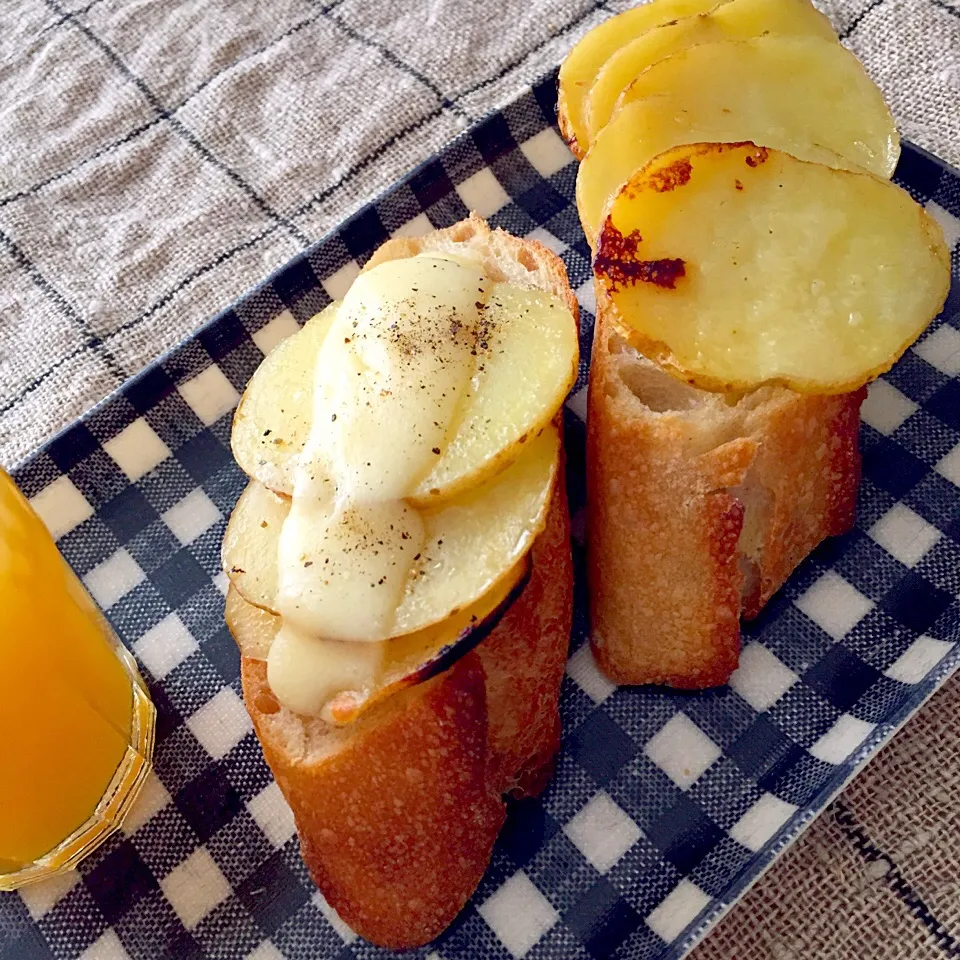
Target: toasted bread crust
(505, 257)
(690, 510)
(524, 659)
(809, 460)
(396, 826)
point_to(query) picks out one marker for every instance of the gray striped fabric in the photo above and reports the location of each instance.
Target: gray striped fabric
(158, 158)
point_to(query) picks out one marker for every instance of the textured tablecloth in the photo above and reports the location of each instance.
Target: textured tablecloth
(158, 158)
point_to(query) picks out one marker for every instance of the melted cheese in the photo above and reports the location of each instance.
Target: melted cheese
(411, 326)
(343, 569)
(389, 387)
(305, 672)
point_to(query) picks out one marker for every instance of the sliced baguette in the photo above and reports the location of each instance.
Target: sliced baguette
(700, 506)
(397, 813)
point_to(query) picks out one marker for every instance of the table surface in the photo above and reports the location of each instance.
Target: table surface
(158, 159)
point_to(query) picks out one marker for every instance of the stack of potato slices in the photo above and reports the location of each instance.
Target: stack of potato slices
(734, 187)
(482, 505)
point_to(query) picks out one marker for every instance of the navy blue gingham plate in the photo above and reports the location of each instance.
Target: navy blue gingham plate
(665, 807)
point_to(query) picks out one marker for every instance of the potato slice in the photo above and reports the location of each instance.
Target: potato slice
(476, 537)
(407, 660)
(522, 377)
(472, 540)
(253, 629)
(770, 116)
(250, 543)
(524, 372)
(734, 265)
(813, 75)
(273, 419)
(736, 20)
(417, 657)
(582, 64)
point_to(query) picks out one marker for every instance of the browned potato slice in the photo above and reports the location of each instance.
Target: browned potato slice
(472, 540)
(642, 129)
(273, 419)
(736, 20)
(407, 660)
(582, 64)
(812, 75)
(734, 265)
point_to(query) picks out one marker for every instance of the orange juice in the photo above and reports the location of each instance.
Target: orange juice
(68, 704)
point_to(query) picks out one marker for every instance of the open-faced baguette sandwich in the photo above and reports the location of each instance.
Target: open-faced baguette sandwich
(754, 269)
(401, 584)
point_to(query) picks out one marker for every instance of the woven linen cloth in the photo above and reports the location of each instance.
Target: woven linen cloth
(157, 159)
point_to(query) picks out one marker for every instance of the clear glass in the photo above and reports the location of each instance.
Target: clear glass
(76, 721)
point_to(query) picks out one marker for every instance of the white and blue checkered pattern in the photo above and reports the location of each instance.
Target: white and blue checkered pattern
(665, 805)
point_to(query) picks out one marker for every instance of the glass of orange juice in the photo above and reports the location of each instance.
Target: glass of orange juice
(76, 723)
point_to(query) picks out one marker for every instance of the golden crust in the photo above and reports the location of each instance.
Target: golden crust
(691, 509)
(397, 825)
(524, 659)
(809, 462)
(664, 584)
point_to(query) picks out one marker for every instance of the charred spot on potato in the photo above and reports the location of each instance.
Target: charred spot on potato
(677, 174)
(618, 261)
(757, 158)
(662, 273)
(738, 184)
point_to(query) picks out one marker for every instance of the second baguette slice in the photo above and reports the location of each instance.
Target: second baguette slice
(699, 508)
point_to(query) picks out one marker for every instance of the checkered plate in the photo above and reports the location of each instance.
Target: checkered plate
(665, 806)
